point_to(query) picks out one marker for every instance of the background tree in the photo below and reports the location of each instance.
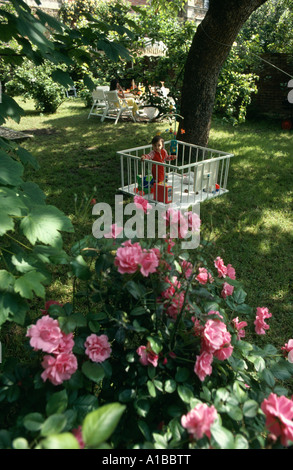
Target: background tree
(210, 47)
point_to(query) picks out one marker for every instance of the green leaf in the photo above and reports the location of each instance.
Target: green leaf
(44, 223)
(12, 307)
(258, 362)
(53, 425)
(268, 377)
(30, 283)
(156, 344)
(20, 443)
(57, 403)
(30, 27)
(241, 442)
(235, 413)
(138, 311)
(280, 371)
(239, 295)
(65, 440)
(6, 280)
(239, 392)
(11, 202)
(10, 170)
(127, 395)
(142, 407)
(244, 309)
(182, 374)
(7, 222)
(170, 386)
(93, 371)
(32, 194)
(88, 82)
(144, 430)
(98, 425)
(70, 323)
(80, 268)
(33, 421)
(184, 393)
(136, 290)
(223, 437)
(151, 389)
(26, 157)
(250, 408)
(10, 109)
(63, 78)
(51, 20)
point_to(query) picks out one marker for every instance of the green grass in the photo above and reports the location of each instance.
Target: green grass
(251, 227)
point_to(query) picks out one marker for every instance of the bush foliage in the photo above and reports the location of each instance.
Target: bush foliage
(155, 351)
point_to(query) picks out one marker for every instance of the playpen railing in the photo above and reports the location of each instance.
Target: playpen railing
(203, 167)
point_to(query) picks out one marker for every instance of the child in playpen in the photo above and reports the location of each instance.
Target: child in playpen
(158, 154)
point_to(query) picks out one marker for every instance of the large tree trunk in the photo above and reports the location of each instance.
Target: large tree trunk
(210, 47)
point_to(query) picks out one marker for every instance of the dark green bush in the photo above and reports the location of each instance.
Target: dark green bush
(34, 82)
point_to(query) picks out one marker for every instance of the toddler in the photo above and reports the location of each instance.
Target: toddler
(158, 154)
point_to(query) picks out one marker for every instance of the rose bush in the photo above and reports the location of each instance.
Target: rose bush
(155, 356)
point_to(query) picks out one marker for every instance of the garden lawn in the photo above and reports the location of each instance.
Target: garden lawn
(251, 227)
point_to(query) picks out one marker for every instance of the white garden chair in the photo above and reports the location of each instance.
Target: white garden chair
(99, 103)
(116, 107)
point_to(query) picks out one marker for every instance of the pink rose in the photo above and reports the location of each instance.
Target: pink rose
(177, 222)
(203, 365)
(204, 276)
(197, 326)
(222, 269)
(260, 325)
(227, 289)
(45, 334)
(149, 262)
(215, 336)
(128, 257)
(98, 348)
(187, 268)
(114, 231)
(290, 356)
(288, 348)
(59, 368)
(142, 203)
(279, 416)
(147, 356)
(170, 246)
(231, 271)
(176, 305)
(174, 286)
(239, 327)
(224, 352)
(65, 345)
(198, 421)
(193, 221)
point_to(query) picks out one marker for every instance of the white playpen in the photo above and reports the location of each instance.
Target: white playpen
(197, 174)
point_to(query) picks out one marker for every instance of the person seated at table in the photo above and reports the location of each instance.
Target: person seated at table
(158, 154)
(115, 86)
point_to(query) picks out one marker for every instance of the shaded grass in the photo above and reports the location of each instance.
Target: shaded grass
(251, 227)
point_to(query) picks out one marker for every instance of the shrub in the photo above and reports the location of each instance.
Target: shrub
(34, 82)
(162, 342)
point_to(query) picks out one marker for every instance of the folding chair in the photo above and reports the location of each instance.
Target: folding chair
(116, 107)
(99, 103)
